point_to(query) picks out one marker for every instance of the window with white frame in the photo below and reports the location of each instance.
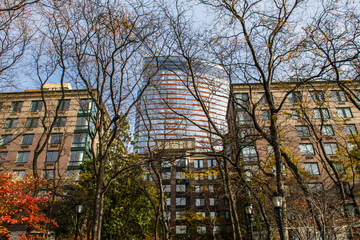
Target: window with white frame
(321, 113)
(168, 201)
(197, 188)
(338, 96)
(198, 163)
(306, 149)
(212, 215)
(27, 139)
(312, 168)
(22, 157)
(166, 164)
(326, 130)
(344, 112)
(330, 148)
(201, 214)
(211, 188)
(211, 163)
(180, 175)
(179, 214)
(76, 158)
(350, 129)
(52, 156)
(212, 201)
(302, 131)
(249, 153)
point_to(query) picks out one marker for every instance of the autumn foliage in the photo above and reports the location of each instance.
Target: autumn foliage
(20, 206)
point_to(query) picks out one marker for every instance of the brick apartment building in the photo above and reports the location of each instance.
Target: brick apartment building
(316, 125)
(54, 124)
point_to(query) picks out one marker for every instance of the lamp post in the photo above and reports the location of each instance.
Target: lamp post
(79, 210)
(249, 213)
(278, 202)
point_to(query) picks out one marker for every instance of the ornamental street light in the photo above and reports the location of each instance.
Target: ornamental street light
(249, 213)
(278, 203)
(79, 210)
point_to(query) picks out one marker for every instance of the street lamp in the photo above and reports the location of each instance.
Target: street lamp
(79, 210)
(249, 213)
(278, 203)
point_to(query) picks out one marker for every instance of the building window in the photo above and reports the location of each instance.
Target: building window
(199, 202)
(198, 163)
(52, 156)
(80, 139)
(212, 215)
(36, 106)
(227, 214)
(166, 175)
(317, 96)
(181, 229)
(350, 129)
(315, 187)
(180, 176)
(18, 174)
(167, 188)
(168, 201)
(5, 139)
(180, 188)
(212, 202)
(16, 106)
(85, 106)
(27, 139)
(64, 104)
(312, 168)
(180, 201)
(306, 149)
(294, 97)
(266, 115)
(76, 158)
(82, 123)
(212, 176)
(296, 114)
(181, 162)
(338, 96)
(56, 138)
(242, 99)
(344, 112)
(179, 214)
(201, 229)
(148, 177)
(211, 163)
(22, 157)
(249, 153)
(197, 188)
(60, 122)
(3, 156)
(10, 123)
(321, 113)
(48, 174)
(326, 130)
(211, 188)
(166, 164)
(243, 117)
(31, 122)
(201, 214)
(330, 148)
(73, 174)
(302, 131)
(217, 229)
